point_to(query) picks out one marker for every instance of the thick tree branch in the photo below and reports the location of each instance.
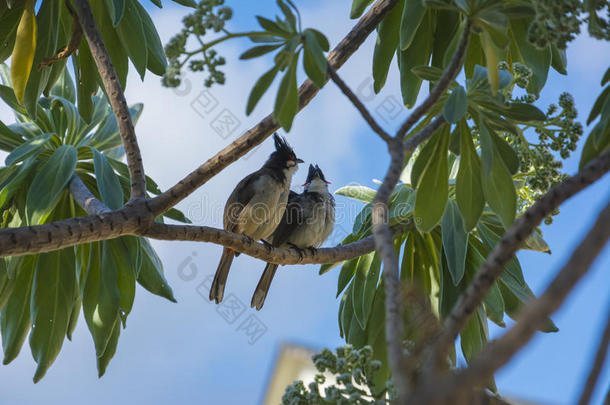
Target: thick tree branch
(504, 250)
(116, 98)
(358, 104)
(443, 83)
(394, 328)
(598, 364)
(85, 198)
(267, 126)
(499, 352)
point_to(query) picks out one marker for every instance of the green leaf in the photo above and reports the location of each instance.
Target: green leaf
(514, 299)
(455, 241)
(360, 193)
(116, 9)
(346, 313)
(101, 297)
(499, 191)
(524, 112)
(125, 253)
(494, 305)
(64, 87)
(456, 105)
(104, 359)
(346, 274)
(151, 275)
(133, 37)
(15, 316)
(559, 60)
(322, 40)
(468, 184)
(9, 21)
(433, 186)
(287, 99)
(67, 119)
(107, 181)
(23, 51)
(86, 80)
(49, 182)
(429, 73)
(53, 292)
(114, 45)
(418, 53)
(412, 16)
(539, 60)
(272, 27)
(260, 87)
(290, 17)
(259, 50)
(187, 3)
(597, 106)
(46, 44)
(358, 7)
(606, 77)
(156, 61)
(507, 153)
(314, 61)
(385, 47)
(16, 182)
(487, 145)
(358, 288)
(27, 149)
(370, 286)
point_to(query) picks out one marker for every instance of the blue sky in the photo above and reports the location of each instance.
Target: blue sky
(187, 352)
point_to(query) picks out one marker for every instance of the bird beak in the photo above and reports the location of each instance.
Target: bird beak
(304, 184)
(327, 182)
(300, 161)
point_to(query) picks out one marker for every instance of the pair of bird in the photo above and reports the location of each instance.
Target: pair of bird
(262, 207)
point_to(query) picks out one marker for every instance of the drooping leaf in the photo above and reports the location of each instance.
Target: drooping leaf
(133, 37)
(259, 88)
(386, 45)
(151, 275)
(455, 241)
(358, 7)
(23, 51)
(53, 291)
(499, 191)
(107, 181)
(360, 193)
(287, 99)
(456, 105)
(49, 182)
(468, 185)
(433, 186)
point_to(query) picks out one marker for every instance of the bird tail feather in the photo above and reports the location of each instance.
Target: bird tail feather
(220, 278)
(262, 288)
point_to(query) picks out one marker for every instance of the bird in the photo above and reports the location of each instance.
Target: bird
(307, 222)
(256, 206)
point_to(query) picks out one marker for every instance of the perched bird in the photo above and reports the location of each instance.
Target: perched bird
(307, 222)
(256, 206)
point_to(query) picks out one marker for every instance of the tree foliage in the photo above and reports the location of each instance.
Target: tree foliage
(495, 152)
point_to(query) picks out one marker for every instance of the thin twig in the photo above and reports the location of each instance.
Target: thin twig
(443, 83)
(358, 104)
(598, 364)
(257, 134)
(72, 46)
(116, 98)
(505, 249)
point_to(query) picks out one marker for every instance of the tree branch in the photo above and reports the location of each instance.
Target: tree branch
(450, 73)
(497, 353)
(85, 198)
(358, 104)
(267, 126)
(504, 250)
(598, 364)
(116, 98)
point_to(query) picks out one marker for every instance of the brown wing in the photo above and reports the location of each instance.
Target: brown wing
(239, 198)
(293, 217)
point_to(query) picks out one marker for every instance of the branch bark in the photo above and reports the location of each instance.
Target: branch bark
(598, 364)
(116, 98)
(445, 390)
(470, 299)
(499, 352)
(83, 196)
(358, 104)
(267, 126)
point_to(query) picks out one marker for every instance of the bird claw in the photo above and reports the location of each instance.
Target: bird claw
(268, 245)
(313, 250)
(298, 249)
(247, 239)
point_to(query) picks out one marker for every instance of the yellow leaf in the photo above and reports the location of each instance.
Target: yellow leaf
(491, 56)
(23, 51)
